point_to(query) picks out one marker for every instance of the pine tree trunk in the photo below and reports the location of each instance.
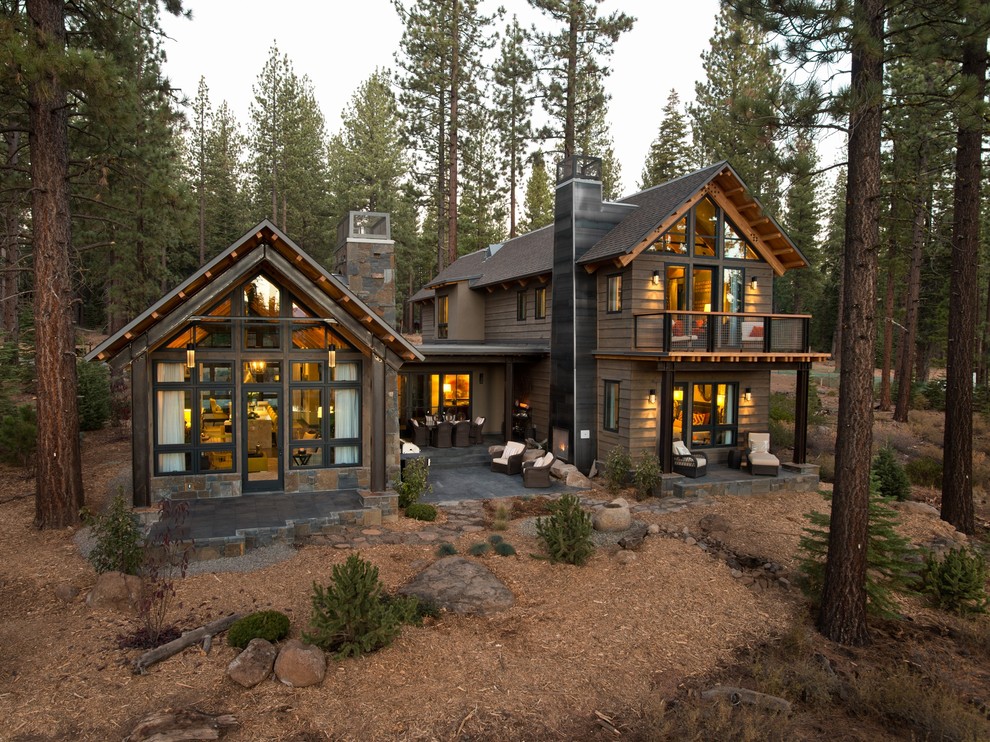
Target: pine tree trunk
(452, 144)
(913, 298)
(888, 321)
(957, 464)
(842, 617)
(983, 363)
(59, 493)
(513, 164)
(10, 251)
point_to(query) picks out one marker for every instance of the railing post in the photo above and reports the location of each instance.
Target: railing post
(667, 332)
(767, 334)
(710, 324)
(806, 334)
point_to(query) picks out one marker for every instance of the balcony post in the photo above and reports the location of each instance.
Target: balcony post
(767, 334)
(665, 418)
(803, 380)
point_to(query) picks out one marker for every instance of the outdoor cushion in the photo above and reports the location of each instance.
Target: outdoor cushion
(759, 442)
(512, 448)
(680, 449)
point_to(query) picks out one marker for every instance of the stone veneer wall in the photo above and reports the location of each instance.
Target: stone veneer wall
(195, 486)
(369, 266)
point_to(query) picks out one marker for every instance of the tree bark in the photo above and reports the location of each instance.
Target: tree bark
(59, 491)
(842, 617)
(957, 464)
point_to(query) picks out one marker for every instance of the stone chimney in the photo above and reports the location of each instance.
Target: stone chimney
(365, 257)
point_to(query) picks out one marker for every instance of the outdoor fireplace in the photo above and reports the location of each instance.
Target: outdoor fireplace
(562, 444)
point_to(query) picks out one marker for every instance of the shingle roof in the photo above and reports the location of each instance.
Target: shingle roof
(655, 205)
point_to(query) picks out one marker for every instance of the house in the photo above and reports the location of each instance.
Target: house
(264, 372)
(632, 324)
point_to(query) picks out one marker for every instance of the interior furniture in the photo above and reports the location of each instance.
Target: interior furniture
(462, 433)
(509, 460)
(442, 434)
(419, 434)
(257, 463)
(761, 461)
(536, 473)
(688, 463)
(477, 430)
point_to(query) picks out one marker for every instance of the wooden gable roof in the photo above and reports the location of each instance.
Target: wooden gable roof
(264, 246)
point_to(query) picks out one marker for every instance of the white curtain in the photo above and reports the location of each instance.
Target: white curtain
(171, 422)
(347, 415)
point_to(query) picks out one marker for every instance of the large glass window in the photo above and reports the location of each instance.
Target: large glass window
(614, 293)
(676, 288)
(326, 415)
(441, 316)
(705, 228)
(706, 414)
(736, 247)
(674, 240)
(610, 411)
(711, 233)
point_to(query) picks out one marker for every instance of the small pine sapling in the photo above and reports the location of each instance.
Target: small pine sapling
(957, 583)
(566, 532)
(892, 479)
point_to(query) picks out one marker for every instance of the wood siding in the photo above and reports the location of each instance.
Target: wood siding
(500, 314)
(615, 330)
(428, 321)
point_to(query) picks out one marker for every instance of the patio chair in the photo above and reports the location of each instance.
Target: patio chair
(536, 473)
(442, 434)
(688, 463)
(419, 434)
(462, 433)
(477, 430)
(761, 461)
(509, 460)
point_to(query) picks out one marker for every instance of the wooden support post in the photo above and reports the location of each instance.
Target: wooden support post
(379, 462)
(803, 380)
(665, 420)
(508, 400)
(141, 429)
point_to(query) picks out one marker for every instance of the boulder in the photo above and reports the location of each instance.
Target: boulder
(633, 538)
(561, 469)
(299, 665)
(614, 517)
(254, 664)
(461, 586)
(910, 506)
(66, 592)
(712, 523)
(577, 479)
(115, 591)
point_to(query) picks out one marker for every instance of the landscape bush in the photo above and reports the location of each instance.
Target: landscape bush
(19, 436)
(566, 532)
(616, 469)
(648, 475)
(118, 540)
(781, 434)
(479, 549)
(353, 615)
(421, 511)
(269, 625)
(957, 582)
(504, 548)
(924, 471)
(94, 395)
(165, 561)
(501, 520)
(413, 483)
(892, 480)
(934, 393)
(446, 549)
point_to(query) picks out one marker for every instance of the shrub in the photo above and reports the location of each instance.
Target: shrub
(892, 480)
(94, 395)
(957, 583)
(349, 615)
(781, 434)
(566, 532)
(166, 560)
(413, 482)
(501, 521)
(421, 511)
(934, 393)
(479, 549)
(647, 475)
(924, 471)
(269, 625)
(495, 539)
(504, 548)
(19, 436)
(781, 407)
(446, 549)
(118, 540)
(616, 471)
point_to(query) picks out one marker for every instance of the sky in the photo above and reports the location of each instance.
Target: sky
(339, 44)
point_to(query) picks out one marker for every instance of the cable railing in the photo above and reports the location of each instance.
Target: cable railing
(722, 332)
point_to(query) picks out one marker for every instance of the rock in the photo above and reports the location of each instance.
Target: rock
(625, 557)
(66, 592)
(612, 518)
(115, 591)
(254, 664)
(460, 585)
(690, 541)
(784, 583)
(620, 502)
(561, 469)
(653, 529)
(299, 665)
(735, 573)
(712, 523)
(910, 506)
(634, 538)
(577, 479)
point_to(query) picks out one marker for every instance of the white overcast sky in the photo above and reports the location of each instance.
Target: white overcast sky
(339, 44)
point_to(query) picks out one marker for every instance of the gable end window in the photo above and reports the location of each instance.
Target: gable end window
(541, 303)
(614, 303)
(610, 408)
(521, 306)
(441, 316)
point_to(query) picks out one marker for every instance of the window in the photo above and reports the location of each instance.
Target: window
(736, 248)
(520, 306)
(705, 414)
(326, 414)
(610, 412)
(614, 293)
(541, 303)
(441, 316)
(706, 228)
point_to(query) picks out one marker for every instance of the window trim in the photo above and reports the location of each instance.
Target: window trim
(540, 311)
(611, 396)
(521, 305)
(616, 306)
(687, 412)
(443, 315)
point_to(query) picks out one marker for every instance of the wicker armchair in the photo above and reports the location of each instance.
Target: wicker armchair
(442, 434)
(688, 463)
(509, 460)
(477, 430)
(537, 473)
(418, 434)
(462, 433)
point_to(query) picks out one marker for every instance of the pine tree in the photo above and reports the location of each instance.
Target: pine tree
(483, 197)
(201, 123)
(669, 156)
(538, 201)
(227, 210)
(796, 292)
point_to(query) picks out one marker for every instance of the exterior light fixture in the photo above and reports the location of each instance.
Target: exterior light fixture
(753, 283)
(652, 396)
(748, 395)
(656, 278)
(332, 356)
(190, 356)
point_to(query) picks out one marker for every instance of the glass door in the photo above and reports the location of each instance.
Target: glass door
(261, 459)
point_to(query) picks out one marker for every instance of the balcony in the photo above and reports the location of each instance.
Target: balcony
(724, 334)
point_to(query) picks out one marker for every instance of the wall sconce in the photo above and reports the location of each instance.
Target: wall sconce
(190, 356)
(656, 278)
(652, 396)
(332, 356)
(754, 284)
(748, 395)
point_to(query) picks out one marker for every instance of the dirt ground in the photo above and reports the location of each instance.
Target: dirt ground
(604, 639)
